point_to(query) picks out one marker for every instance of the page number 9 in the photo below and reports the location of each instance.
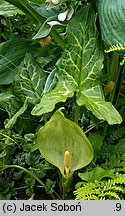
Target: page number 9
(118, 207)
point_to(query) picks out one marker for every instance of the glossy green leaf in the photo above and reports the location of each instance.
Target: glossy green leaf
(4, 98)
(14, 107)
(96, 141)
(112, 22)
(59, 135)
(50, 82)
(46, 28)
(12, 53)
(13, 120)
(44, 12)
(7, 9)
(27, 88)
(24, 6)
(43, 32)
(29, 82)
(97, 174)
(78, 70)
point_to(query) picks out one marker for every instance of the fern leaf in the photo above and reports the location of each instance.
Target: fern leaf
(116, 134)
(117, 47)
(111, 195)
(110, 189)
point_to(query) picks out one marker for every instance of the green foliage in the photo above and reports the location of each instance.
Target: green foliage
(113, 156)
(116, 134)
(7, 9)
(12, 53)
(107, 180)
(77, 71)
(111, 17)
(26, 155)
(30, 182)
(105, 190)
(7, 190)
(68, 69)
(49, 186)
(29, 82)
(97, 174)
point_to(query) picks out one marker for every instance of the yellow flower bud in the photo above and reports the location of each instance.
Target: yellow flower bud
(109, 86)
(67, 162)
(45, 41)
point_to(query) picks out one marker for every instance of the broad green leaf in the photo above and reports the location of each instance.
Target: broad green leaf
(38, 1)
(29, 82)
(3, 153)
(46, 28)
(7, 9)
(97, 174)
(59, 135)
(96, 141)
(10, 103)
(13, 120)
(112, 22)
(27, 88)
(43, 10)
(12, 53)
(78, 71)
(43, 32)
(24, 6)
(4, 98)
(49, 15)
(50, 82)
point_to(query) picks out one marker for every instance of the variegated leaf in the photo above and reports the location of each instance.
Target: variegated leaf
(29, 83)
(78, 70)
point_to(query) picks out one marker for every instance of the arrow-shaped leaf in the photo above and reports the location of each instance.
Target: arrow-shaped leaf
(29, 83)
(77, 70)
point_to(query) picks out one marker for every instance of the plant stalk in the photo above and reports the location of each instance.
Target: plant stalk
(67, 185)
(29, 172)
(25, 170)
(76, 118)
(116, 93)
(113, 76)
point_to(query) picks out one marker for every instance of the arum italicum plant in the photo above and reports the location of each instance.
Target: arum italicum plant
(64, 144)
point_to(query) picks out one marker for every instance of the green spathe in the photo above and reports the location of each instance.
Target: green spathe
(59, 135)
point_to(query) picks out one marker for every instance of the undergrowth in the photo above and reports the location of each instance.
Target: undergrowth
(106, 179)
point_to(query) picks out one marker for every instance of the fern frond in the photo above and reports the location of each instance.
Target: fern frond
(117, 47)
(116, 134)
(110, 189)
(110, 194)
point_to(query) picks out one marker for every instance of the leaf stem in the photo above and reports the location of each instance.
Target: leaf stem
(25, 170)
(116, 92)
(76, 118)
(112, 69)
(35, 14)
(30, 173)
(4, 135)
(56, 36)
